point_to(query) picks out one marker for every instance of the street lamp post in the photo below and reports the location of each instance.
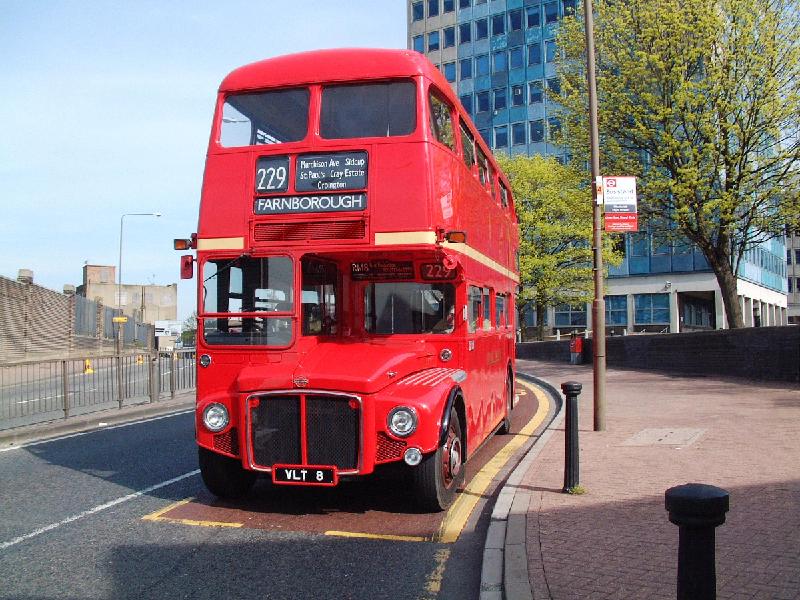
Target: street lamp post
(119, 271)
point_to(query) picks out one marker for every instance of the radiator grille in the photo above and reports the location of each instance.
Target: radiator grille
(332, 431)
(310, 230)
(389, 449)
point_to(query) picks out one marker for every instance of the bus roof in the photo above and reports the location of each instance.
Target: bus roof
(344, 64)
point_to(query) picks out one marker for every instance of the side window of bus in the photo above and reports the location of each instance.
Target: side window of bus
(487, 309)
(503, 195)
(442, 122)
(368, 110)
(264, 118)
(474, 311)
(492, 186)
(483, 167)
(319, 297)
(467, 146)
(500, 310)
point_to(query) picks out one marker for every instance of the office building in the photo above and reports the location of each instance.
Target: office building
(499, 57)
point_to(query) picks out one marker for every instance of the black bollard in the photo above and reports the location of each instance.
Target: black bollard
(571, 390)
(697, 509)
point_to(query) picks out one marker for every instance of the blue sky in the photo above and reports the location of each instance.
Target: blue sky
(107, 110)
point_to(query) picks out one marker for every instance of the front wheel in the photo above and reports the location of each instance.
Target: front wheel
(441, 473)
(224, 477)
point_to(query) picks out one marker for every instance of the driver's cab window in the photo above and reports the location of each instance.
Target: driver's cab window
(319, 297)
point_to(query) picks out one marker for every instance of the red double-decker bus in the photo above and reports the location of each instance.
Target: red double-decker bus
(356, 251)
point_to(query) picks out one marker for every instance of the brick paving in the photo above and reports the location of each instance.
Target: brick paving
(616, 540)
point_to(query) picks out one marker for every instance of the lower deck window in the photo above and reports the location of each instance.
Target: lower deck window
(409, 307)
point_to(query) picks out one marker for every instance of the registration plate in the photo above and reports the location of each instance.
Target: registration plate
(304, 475)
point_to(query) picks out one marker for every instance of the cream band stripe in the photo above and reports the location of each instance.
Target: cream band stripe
(230, 243)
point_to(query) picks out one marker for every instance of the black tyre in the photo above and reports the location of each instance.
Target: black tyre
(441, 473)
(223, 476)
(505, 426)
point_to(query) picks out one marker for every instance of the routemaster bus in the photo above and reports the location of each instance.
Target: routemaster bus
(356, 260)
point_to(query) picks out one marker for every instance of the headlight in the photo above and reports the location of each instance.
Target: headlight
(205, 360)
(402, 421)
(215, 417)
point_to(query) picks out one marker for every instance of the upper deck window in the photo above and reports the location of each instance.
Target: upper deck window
(442, 122)
(264, 118)
(368, 110)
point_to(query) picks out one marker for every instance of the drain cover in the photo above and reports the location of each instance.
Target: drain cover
(664, 437)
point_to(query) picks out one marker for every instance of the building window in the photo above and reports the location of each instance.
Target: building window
(465, 65)
(500, 100)
(482, 65)
(535, 54)
(500, 61)
(481, 29)
(515, 20)
(464, 3)
(465, 33)
(550, 51)
(616, 310)
(639, 244)
(449, 37)
(533, 16)
(554, 86)
(788, 257)
(518, 134)
(569, 7)
(534, 92)
(501, 136)
(553, 129)
(537, 131)
(517, 97)
(433, 41)
(550, 12)
(449, 5)
(417, 11)
(450, 71)
(651, 309)
(797, 256)
(433, 8)
(483, 101)
(486, 134)
(790, 284)
(466, 102)
(567, 315)
(499, 24)
(515, 58)
(419, 43)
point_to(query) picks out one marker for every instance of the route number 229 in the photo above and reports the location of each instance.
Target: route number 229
(272, 174)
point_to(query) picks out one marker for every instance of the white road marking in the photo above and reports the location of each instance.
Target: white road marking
(96, 509)
(72, 435)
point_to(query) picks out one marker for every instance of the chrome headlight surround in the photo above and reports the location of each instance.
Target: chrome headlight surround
(215, 417)
(402, 421)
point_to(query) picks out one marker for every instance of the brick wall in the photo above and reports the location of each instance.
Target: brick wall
(758, 353)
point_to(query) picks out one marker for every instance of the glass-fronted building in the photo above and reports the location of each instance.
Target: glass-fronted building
(499, 57)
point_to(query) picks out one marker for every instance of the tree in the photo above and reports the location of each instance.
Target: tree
(700, 100)
(554, 208)
(189, 330)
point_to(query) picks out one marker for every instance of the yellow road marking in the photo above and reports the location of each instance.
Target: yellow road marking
(459, 513)
(433, 582)
(378, 536)
(158, 516)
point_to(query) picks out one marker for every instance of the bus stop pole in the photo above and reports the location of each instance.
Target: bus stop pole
(599, 305)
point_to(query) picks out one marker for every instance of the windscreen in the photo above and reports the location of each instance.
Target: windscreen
(368, 110)
(409, 307)
(273, 117)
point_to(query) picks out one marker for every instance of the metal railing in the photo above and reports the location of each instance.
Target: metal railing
(34, 392)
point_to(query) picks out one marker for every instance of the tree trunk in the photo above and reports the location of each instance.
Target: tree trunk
(540, 314)
(727, 285)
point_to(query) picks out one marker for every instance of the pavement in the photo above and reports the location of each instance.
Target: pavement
(615, 540)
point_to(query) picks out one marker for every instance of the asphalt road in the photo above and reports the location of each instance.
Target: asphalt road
(73, 525)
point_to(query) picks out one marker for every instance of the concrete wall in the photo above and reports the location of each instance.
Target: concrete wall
(759, 353)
